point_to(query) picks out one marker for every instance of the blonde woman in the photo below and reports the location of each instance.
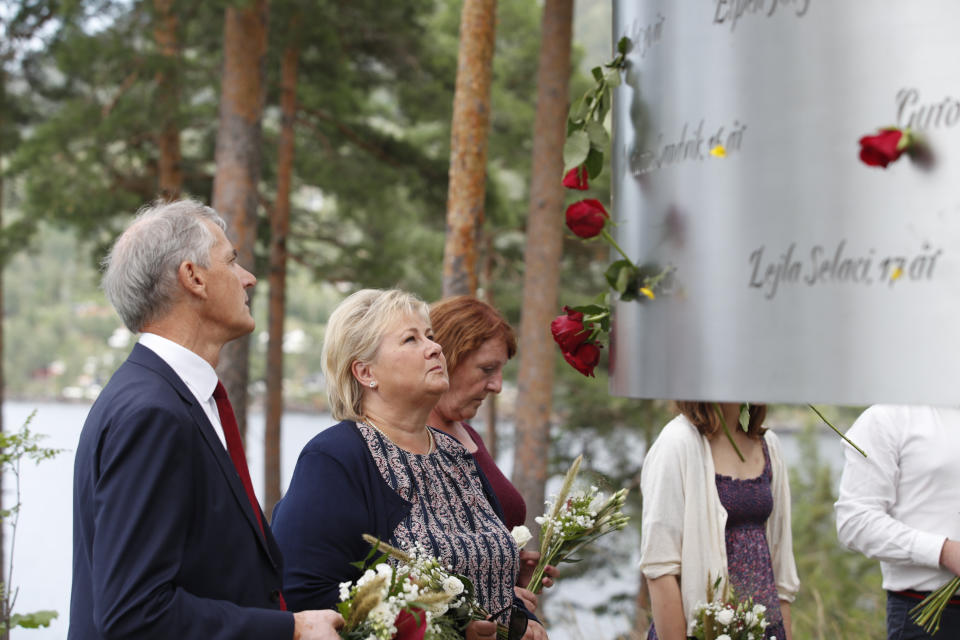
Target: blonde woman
(382, 471)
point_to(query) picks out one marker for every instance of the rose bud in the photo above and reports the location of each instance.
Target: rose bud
(881, 149)
(587, 218)
(411, 625)
(576, 178)
(584, 359)
(568, 331)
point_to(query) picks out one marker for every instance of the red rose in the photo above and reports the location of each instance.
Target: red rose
(568, 331)
(881, 149)
(410, 627)
(587, 217)
(584, 358)
(576, 178)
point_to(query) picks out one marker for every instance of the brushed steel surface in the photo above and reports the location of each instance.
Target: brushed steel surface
(786, 251)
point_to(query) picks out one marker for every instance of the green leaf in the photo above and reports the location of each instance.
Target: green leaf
(599, 138)
(623, 45)
(575, 150)
(745, 417)
(33, 620)
(579, 109)
(601, 112)
(605, 324)
(597, 74)
(623, 280)
(612, 274)
(591, 309)
(594, 163)
(612, 78)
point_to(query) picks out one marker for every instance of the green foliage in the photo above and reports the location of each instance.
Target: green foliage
(15, 447)
(20, 445)
(587, 138)
(34, 620)
(841, 594)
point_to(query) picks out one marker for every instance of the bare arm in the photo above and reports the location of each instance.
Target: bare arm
(667, 605)
(785, 610)
(950, 556)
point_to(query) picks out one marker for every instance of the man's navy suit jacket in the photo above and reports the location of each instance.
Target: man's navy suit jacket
(165, 544)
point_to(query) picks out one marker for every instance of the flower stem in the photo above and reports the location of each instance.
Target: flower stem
(723, 421)
(927, 614)
(829, 424)
(616, 246)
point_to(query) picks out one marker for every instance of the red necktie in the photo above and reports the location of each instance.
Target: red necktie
(231, 433)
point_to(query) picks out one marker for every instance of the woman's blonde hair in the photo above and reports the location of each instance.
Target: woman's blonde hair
(354, 332)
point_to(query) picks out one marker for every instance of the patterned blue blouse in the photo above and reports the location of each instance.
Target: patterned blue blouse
(450, 516)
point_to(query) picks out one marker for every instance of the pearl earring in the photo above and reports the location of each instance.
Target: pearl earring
(373, 384)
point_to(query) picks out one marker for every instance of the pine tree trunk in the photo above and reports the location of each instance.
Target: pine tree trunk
(279, 228)
(237, 176)
(490, 405)
(468, 146)
(169, 163)
(542, 258)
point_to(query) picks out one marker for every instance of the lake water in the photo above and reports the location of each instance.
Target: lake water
(42, 561)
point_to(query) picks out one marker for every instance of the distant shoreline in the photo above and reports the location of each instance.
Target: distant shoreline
(257, 406)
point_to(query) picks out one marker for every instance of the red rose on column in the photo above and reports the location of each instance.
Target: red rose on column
(568, 331)
(584, 359)
(408, 628)
(576, 178)
(587, 218)
(881, 149)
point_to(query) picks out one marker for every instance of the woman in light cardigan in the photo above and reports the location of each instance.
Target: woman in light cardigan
(691, 477)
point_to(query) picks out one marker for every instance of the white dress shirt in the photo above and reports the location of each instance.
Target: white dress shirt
(195, 372)
(901, 502)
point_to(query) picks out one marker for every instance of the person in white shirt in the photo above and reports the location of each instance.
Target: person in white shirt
(707, 513)
(901, 505)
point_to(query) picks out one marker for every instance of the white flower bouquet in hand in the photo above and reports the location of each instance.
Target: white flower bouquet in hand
(411, 597)
(574, 519)
(727, 618)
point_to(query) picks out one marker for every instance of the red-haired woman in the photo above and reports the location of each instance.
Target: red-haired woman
(707, 513)
(477, 342)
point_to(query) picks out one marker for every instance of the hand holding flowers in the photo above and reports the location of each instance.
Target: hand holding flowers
(414, 599)
(573, 520)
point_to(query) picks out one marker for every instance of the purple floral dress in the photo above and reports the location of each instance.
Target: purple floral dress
(748, 504)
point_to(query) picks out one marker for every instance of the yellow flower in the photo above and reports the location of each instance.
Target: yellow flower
(647, 291)
(897, 274)
(719, 151)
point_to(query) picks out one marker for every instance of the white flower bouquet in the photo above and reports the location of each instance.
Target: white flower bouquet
(727, 618)
(574, 519)
(407, 595)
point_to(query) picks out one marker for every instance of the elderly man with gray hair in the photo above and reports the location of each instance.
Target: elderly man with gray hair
(168, 538)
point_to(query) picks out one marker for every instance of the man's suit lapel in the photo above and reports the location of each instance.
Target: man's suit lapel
(145, 357)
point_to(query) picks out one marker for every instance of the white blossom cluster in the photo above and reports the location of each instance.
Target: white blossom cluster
(577, 514)
(421, 583)
(731, 621)
(427, 571)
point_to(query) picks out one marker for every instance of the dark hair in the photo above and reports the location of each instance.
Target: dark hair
(705, 417)
(462, 324)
